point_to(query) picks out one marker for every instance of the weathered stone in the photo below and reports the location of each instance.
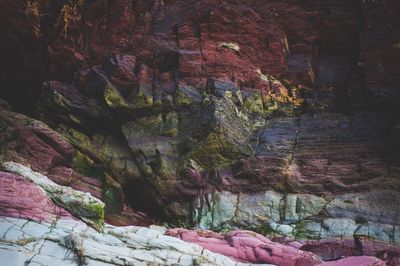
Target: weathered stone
(21, 198)
(375, 206)
(69, 242)
(334, 249)
(189, 83)
(361, 260)
(81, 204)
(247, 246)
(302, 206)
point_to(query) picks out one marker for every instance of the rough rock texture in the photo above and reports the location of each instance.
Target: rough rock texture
(378, 52)
(83, 205)
(361, 260)
(40, 232)
(333, 249)
(277, 116)
(69, 242)
(281, 109)
(371, 214)
(51, 236)
(131, 109)
(23, 199)
(33, 143)
(247, 246)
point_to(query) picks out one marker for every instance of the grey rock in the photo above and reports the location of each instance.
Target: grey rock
(71, 242)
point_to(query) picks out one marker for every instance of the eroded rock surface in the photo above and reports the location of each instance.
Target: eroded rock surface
(21, 198)
(33, 230)
(276, 116)
(32, 143)
(248, 246)
(83, 205)
(51, 235)
(69, 242)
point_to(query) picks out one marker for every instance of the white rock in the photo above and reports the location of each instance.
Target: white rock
(67, 242)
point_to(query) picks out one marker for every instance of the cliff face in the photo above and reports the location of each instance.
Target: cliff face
(274, 116)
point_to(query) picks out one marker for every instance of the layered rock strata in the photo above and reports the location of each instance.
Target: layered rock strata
(39, 232)
(276, 116)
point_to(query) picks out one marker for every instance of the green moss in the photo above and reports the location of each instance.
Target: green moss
(87, 167)
(217, 151)
(98, 219)
(300, 231)
(90, 211)
(253, 102)
(112, 200)
(265, 230)
(76, 138)
(223, 228)
(142, 97)
(113, 98)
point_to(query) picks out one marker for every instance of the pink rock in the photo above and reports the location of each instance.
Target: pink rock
(68, 177)
(356, 261)
(23, 199)
(247, 246)
(333, 249)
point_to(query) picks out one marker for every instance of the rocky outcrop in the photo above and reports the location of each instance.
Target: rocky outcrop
(31, 142)
(23, 199)
(83, 205)
(305, 216)
(248, 246)
(39, 232)
(379, 46)
(333, 249)
(33, 230)
(69, 242)
(276, 116)
(179, 101)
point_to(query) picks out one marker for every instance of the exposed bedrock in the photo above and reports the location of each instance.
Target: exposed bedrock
(277, 116)
(33, 230)
(212, 162)
(40, 232)
(33, 144)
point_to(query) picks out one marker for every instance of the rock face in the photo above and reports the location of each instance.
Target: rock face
(253, 132)
(305, 215)
(333, 249)
(84, 205)
(33, 143)
(23, 199)
(34, 230)
(69, 242)
(248, 246)
(39, 232)
(275, 116)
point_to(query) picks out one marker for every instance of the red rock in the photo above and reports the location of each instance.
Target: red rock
(20, 198)
(33, 143)
(247, 246)
(160, 46)
(359, 261)
(333, 249)
(68, 177)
